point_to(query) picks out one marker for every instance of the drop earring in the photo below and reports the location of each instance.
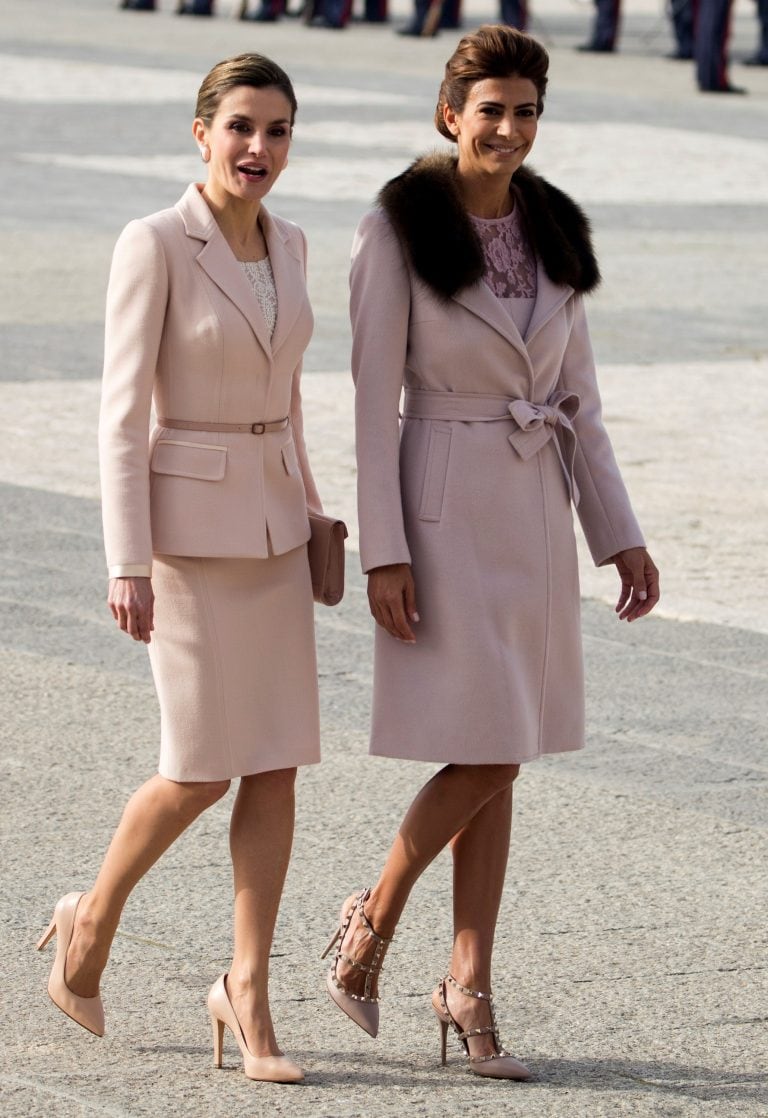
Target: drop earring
(205, 153)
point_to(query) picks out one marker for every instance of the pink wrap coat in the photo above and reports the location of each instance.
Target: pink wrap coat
(501, 433)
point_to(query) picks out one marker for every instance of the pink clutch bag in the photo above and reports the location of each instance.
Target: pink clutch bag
(326, 558)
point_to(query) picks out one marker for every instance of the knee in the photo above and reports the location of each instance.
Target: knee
(484, 781)
(276, 779)
(195, 798)
(495, 778)
(211, 791)
(503, 776)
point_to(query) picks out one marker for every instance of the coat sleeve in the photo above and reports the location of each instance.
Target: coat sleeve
(379, 309)
(137, 297)
(314, 504)
(604, 508)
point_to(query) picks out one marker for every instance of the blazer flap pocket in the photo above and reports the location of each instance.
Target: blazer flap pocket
(290, 459)
(196, 460)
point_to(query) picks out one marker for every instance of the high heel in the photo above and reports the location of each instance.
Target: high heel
(267, 1069)
(363, 1008)
(501, 1064)
(88, 1012)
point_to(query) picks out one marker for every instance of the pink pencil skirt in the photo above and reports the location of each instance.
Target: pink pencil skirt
(233, 659)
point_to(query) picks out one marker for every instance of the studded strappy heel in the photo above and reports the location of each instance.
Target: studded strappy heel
(499, 1065)
(363, 1008)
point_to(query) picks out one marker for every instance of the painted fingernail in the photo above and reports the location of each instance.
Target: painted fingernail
(642, 595)
(415, 616)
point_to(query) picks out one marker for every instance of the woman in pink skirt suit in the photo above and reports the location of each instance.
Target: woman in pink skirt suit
(205, 524)
(468, 286)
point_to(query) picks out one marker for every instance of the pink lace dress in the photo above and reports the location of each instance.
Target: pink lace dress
(510, 265)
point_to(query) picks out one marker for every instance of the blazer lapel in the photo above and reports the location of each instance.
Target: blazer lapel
(218, 261)
(550, 297)
(288, 272)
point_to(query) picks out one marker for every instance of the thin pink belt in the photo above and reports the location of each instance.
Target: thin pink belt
(233, 428)
(535, 424)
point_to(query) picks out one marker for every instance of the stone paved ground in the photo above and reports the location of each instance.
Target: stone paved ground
(631, 958)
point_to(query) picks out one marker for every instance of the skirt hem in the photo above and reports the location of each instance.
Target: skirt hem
(266, 768)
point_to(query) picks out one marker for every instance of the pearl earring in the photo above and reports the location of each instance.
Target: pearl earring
(205, 152)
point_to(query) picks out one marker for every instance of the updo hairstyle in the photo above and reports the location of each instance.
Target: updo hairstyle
(244, 69)
(493, 51)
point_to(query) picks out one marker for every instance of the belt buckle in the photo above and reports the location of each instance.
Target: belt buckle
(258, 428)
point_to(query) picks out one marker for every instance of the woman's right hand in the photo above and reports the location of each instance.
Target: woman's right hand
(131, 601)
(392, 598)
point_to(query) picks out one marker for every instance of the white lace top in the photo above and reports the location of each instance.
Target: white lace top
(510, 264)
(262, 281)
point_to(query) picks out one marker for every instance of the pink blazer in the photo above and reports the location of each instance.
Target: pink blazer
(184, 329)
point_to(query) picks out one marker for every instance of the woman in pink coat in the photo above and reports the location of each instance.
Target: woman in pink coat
(205, 525)
(467, 291)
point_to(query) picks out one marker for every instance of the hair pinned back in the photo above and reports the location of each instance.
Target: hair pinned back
(493, 51)
(244, 69)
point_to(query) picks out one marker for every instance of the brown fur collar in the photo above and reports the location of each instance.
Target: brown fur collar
(425, 208)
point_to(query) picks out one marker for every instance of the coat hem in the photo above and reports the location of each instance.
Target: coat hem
(374, 751)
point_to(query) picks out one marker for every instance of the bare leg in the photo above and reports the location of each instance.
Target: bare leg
(153, 819)
(480, 853)
(261, 835)
(443, 807)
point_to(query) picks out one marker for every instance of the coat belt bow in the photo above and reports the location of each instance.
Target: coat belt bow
(535, 424)
(538, 423)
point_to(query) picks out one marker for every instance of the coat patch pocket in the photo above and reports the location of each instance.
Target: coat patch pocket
(433, 489)
(290, 460)
(201, 461)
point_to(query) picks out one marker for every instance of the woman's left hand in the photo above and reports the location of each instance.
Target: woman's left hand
(639, 583)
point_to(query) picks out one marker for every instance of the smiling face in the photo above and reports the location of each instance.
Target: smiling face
(246, 143)
(497, 126)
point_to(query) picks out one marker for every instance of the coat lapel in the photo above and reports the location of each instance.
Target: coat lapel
(480, 300)
(550, 297)
(218, 261)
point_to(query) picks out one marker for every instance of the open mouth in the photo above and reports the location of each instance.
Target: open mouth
(252, 172)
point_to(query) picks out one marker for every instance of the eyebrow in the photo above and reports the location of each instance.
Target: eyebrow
(249, 120)
(501, 105)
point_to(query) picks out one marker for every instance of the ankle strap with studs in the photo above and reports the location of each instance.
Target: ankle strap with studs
(371, 969)
(466, 990)
(464, 1034)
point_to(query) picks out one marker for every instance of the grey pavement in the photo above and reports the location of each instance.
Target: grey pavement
(631, 958)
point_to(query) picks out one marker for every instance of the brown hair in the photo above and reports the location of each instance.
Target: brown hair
(244, 69)
(493, 51)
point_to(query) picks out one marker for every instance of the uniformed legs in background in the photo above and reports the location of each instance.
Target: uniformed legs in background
(269, 11)
(375, 11)
(449, 18)
(711, 39)
(334, 14)
(514, 13)
(195, 8)
(682, 14)
(138, 5)
(605, 29)
(761, 58)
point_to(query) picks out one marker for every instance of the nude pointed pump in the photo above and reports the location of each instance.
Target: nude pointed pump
(500, 1065)
(267, 1069)
(363, 1008)
(88, 1012)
